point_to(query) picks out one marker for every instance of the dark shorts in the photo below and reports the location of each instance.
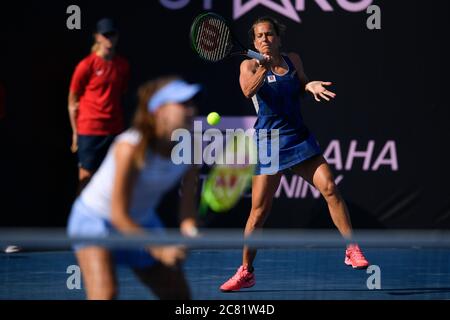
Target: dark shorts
(92, 150)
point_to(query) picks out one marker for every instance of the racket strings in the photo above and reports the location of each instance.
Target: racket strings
(212, 41)
(223, 40)
(209, 41)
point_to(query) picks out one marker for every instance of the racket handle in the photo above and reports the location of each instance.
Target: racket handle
(255, 55)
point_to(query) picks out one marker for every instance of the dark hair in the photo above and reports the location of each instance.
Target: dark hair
(277, 27)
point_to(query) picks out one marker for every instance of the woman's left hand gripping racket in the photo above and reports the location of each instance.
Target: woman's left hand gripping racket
(212, 39)
(226, 183)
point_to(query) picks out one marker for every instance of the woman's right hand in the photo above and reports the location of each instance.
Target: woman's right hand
(266, 62)
(169, 255)
(74, 146)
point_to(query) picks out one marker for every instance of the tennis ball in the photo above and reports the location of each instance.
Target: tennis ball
(213, 118)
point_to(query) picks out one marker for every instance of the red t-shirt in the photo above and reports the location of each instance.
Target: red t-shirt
(100, 85)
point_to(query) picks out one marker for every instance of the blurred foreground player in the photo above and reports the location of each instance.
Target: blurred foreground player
(123, 194)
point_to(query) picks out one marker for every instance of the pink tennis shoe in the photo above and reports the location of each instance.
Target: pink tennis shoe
(246, 279)
(355, 258)
(242, 279)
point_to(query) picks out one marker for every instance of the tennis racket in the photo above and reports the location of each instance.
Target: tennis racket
(213, 40)
(226, 183)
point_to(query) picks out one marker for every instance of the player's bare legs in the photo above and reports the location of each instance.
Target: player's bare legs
(317, 172)
(84, 176)
(168, 283)
(263, 190)
(98, 273)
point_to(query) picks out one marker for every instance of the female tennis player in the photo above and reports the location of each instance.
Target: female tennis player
(123, 194)
(275, 85)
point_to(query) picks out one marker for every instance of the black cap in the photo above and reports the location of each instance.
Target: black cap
(106, 25)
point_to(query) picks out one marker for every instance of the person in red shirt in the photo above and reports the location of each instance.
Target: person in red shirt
(95, 109)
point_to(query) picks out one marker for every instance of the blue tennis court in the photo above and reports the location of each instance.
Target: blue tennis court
(281, 274)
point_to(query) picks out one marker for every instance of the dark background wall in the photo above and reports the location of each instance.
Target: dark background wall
(390, 83)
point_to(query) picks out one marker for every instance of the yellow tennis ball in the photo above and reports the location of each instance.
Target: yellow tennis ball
(213, 118)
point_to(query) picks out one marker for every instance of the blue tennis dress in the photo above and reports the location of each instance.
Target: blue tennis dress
(277, 104)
